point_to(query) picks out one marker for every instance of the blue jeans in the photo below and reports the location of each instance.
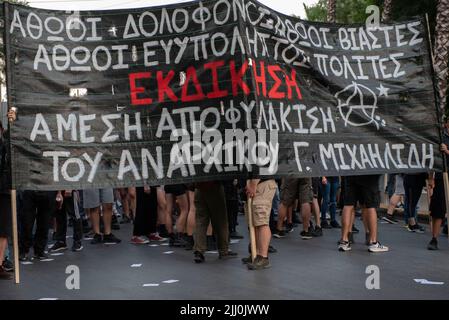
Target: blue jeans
(413, 185)
(329, 193)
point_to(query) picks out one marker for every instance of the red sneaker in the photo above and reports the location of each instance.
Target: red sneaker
(156, 237)
(139, 240)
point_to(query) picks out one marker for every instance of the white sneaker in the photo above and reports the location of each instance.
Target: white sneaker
(377, 247)
(344, 246)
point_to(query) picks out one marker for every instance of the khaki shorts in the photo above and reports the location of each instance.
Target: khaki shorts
(262, 202)
(296, 188)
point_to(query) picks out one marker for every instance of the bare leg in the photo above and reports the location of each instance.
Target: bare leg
(183, 202)
(263, 237)
(370, 220)
(306, 213)
(436, 227)
(169, 212)
(346, 222)
(132, 200)
(394, 200)
(3, 245)
(210, 231)
(107, 217)
(191, 216)
(282, 213)
(161, 206)
(94, 215)
(124, 199)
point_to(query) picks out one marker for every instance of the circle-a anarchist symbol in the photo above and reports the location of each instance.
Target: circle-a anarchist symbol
(357, 105)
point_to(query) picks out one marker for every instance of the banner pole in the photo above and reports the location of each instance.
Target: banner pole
(252, 231)
(15, 236)
(445, 174)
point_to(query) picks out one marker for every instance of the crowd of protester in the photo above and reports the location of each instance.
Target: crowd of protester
(204, 216)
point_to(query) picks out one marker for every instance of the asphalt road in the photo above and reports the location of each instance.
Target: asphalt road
(312, 269)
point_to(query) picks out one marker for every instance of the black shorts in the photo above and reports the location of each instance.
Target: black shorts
(5, 215)
(437, 205)
(316, 186)
(190, 187)
(175, 189)
(362, 189)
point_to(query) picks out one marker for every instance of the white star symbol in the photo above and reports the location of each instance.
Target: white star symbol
(383, 91)
(113, 31)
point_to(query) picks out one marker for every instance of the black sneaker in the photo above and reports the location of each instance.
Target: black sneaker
(235, 235)
(279, 234)
(289, 228)
(198, 257)
(433, 244)
(390, 218)
(7, 265)
(40, 256)
(162, 230)
(4, 275)
(77, 246)
(97, 239)
(110, 239)
(335, 224)
(176, 240)
(259, 263)
(23, 257)
(325, 224)
(306, 235)
(58, 246)
(415, 228)
(354, 229)
(272, 249)
(247, 260)
(227, 255)
(317, 232)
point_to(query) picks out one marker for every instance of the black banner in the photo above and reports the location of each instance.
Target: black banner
(212, 90)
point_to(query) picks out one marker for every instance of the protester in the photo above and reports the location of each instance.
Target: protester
(364, 190)
(395, 199)
(128, 200)
(210, 203)
(262, 192)
(5, 197)
(68, 206)
(316, 231)
(413, 185)
(290, 189)
(437, 205)
(145, 220)
(177, 192)
(162, 212)
(232, 205)
(37, 209)
(190, 217)
(329, 188)
(99, 201)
